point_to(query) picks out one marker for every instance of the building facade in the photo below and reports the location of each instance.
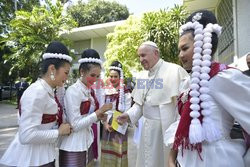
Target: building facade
(93, 36)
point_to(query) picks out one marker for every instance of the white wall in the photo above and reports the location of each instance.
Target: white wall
(79, 46)
(99, 44)
(243, 26)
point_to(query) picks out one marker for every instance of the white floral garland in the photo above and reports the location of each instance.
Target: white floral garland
(200, 98)
(57, 56)
(90, 60)
(121, 106)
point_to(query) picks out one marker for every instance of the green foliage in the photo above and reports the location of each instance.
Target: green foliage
(97, 11)
(30, 34)
(7, 13)
(162, 27)
(7, 10)
(123, 43)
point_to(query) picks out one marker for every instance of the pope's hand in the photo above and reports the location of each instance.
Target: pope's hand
(123, 118)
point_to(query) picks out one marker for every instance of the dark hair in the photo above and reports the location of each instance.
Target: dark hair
(89, 53)
(54, 47)
(116, 64)
(206, 18)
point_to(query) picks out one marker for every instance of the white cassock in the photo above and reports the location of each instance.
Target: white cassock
(157, 105)
(34, 143)
(230, 92)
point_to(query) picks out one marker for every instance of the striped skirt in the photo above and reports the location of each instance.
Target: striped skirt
(76, 159)
(114, 149)
(51, 164)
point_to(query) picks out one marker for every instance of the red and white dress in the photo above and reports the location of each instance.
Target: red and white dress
(79, 110)
(230, 92)
(114, 150)
(34, 143)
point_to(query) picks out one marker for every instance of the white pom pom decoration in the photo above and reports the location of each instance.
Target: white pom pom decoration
(207, 52)
(199, 84)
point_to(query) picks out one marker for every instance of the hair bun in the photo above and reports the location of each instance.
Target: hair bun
(57, 47)
(116, 64)
(90, 53)
(204, 17)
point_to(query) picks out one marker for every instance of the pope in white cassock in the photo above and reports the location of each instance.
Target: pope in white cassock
(155, 96)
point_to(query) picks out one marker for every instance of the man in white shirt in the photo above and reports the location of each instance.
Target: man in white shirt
(155, 96)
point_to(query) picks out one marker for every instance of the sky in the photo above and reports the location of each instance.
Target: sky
(138, 7)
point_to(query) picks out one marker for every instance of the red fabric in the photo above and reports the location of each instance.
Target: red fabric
(95, 144)
(182, 133)
(46, 118)
(85, 105)
(94, 127)
(114, 97)
(92, 92)
(124, 153)
(84, 108)
(247, 138)
(60, 112)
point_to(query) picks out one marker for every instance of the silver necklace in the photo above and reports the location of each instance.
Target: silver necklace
(145, 94)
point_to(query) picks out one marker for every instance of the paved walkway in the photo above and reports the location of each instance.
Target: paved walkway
(8, 115)
(8, 129)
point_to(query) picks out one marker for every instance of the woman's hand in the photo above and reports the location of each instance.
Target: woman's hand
(171, 164)
(172, 158)
(64, 129)
(103, 117)
(108, 127)
(100, 113)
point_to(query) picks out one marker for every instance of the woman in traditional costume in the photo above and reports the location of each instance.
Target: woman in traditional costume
(114, 151)
(213, 97)
(34, 143)
(82, 110)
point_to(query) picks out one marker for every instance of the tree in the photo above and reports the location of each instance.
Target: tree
(123, 43)
(162, 27)
(97, 11)
(8, 8)
(30, 34)
(7, 13)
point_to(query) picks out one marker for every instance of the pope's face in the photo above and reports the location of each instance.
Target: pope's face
(148, 56)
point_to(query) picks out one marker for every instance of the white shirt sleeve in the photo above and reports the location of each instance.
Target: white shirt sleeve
(128, 101)
(169, 135)
(72, 101)
(135, 113)
(231, 89)
(32, 107)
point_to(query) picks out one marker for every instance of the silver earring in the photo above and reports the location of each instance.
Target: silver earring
(52, 76)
